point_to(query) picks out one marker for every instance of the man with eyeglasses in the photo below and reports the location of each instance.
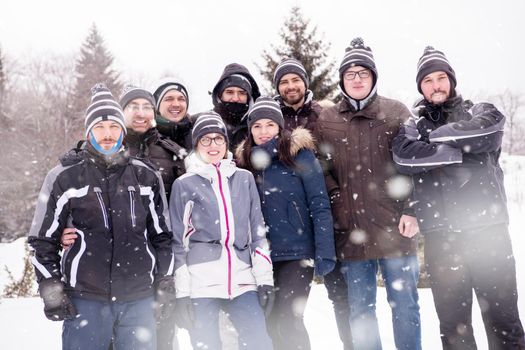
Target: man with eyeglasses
(103, 285)
(451, 147)
(374, 227)
(232, 96)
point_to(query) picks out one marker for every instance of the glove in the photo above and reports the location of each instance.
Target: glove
(323, 267)
(164, 297)
(184, 315)
(266, 298)
(57, 305)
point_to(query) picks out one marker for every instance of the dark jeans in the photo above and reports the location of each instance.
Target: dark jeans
(338, 293)
(128, 325)
(292, 280)
(481, 259)
(166, 339)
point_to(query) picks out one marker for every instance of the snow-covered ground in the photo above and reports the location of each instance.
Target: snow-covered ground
(23, 325)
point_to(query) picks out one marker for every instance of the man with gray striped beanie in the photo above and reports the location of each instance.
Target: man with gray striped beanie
(291, 81)
(107, 280)
(374, 228)
(451, 147)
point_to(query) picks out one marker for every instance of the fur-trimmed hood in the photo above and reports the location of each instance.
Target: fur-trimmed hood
(301, 139)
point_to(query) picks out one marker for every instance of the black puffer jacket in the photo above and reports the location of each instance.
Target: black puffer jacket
(452, 151)
(121, 217)
(305, 117)
(165, 155)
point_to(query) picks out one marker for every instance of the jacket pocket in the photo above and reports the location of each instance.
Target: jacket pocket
(98, 192)
(295, 218)
(131, 191)
(339, 212)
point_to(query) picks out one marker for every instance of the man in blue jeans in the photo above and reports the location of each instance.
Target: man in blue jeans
(374, 226)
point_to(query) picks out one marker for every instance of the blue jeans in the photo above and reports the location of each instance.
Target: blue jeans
(247, 317)
(127, 325)
(400, 276)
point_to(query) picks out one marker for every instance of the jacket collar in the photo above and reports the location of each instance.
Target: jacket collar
(195, 165)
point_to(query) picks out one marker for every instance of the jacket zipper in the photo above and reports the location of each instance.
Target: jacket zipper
(298, 214)
(227, 232)
(98, 191)
(131, 191)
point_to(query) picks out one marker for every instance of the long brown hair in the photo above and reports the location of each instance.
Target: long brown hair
(284, 141)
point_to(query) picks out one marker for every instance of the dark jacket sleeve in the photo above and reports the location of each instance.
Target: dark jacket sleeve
(332, 185)
(48, 223)
(318, 204)
(159, 232)
(412, 155)
(482, 133)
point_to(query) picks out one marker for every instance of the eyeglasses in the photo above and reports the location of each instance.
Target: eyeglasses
(363, 74)
(143, 108)
(206, 141)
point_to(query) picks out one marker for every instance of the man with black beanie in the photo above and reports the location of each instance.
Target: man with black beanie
(232, 96)
(451, 147)
(374, 228)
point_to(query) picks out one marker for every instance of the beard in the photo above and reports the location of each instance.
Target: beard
(295, 100)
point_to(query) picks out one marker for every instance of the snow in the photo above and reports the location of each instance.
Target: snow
(24, 326)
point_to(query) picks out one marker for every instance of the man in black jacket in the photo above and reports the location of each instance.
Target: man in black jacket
(103, 286)
(232, 96)
(452, 149)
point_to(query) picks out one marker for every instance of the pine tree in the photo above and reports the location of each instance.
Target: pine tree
(304, 44)
(22, 287)
(93, 66)
(3, 83)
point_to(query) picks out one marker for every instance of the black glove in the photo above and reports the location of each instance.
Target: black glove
(184, 313)
(164, 297)
(323, 267)
(57, 305)
(266, 298)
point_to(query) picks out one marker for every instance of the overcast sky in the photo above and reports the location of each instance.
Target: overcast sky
(195, 39)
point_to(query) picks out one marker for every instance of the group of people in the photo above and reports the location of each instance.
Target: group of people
(160, 218)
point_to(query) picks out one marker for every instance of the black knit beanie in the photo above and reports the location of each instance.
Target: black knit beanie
(290, 65)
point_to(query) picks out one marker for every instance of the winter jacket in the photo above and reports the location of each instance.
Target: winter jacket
(305, 117)
(295, 203)
(179, 132)
(219, 233)
(120, 213)
(355, 147)
(237, 126)
(165, 155)
(452, 151)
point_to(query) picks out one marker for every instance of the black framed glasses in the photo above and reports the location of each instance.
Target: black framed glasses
(206, 141)
(363, 74)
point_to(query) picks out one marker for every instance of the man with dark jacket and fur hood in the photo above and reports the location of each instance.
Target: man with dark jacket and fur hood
(232, 96)
(452, 147)
(374, 228)
(299, 110)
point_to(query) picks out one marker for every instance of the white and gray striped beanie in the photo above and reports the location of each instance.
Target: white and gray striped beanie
(357, 54)
(265, 108)
(287, 66)
(103, 107)
(432, 61)
(206, 123)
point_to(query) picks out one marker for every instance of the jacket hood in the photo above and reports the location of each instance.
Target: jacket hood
(235, 68)
(301, 138)
(195, 165)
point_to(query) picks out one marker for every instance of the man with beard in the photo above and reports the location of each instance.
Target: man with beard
(297, 105)
(103, 286)
(299, 109)
(452, 147)
(232, 96)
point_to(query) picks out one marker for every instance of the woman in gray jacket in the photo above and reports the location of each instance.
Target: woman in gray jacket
(222, 260)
